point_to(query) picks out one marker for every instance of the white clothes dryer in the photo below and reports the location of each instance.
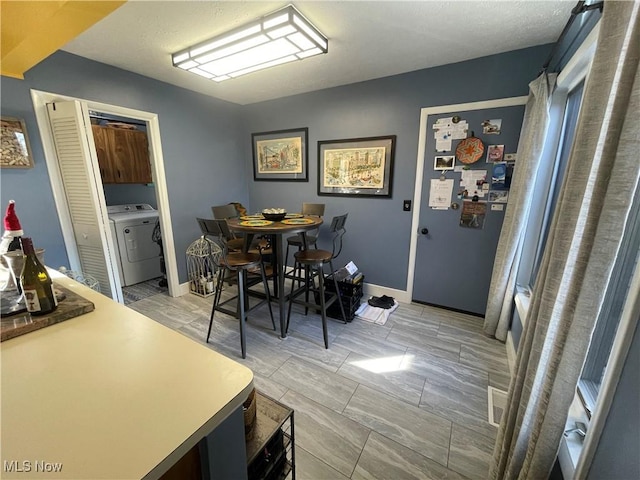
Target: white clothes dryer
(132, 231)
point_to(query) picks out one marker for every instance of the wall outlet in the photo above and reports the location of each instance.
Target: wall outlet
(406, 206)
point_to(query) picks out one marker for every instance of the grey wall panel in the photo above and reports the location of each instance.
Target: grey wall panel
(454, 263)
(201, 141)
(378, 231)
(207, 145)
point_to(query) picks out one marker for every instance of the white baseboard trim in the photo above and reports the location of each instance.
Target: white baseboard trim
(368, 289)
(511, 353)
(184, 289)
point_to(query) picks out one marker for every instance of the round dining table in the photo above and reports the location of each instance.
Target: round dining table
(252, 225)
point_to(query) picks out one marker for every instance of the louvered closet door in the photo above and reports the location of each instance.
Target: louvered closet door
(83, 191)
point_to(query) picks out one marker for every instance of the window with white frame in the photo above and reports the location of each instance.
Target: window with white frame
(611, 312)
(565, 107)
(570, 120)
(564, 113)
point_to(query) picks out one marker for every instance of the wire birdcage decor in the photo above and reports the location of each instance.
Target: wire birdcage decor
(203, 256)
(84, 278)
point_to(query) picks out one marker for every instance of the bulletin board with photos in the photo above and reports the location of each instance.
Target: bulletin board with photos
(473, 157)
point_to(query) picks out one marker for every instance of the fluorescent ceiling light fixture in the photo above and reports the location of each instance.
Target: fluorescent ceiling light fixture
(280, 37)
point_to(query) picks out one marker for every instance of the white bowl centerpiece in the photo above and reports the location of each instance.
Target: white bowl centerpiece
(274, 214)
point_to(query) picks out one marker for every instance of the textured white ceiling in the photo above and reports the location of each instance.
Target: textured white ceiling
(367, 39)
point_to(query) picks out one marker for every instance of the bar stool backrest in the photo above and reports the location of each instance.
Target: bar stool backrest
(216, 230)
(315, 209)
(224, 211)
(338, 231)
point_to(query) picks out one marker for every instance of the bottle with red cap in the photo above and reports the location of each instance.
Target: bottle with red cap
(12, 230)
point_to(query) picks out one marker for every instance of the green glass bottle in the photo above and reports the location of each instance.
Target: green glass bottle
(37, 286)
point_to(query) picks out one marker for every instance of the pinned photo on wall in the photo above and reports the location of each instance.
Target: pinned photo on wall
(473, 214)
(444, 163)
(510, 157)
(492, 127)
(495, 153)
(499, 196)
(498, 176)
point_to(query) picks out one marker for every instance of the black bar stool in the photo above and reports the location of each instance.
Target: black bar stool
(220, 212)
(311, 237)
(241, 264)
(313, 261)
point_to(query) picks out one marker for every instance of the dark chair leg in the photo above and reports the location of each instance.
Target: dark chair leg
(286, 259)
(323, 308)
(266, 291)
(293, 286)
(216, 299)
(242, 276)
(339, 299)
(213, 309)
(300, 276)
(308, 278)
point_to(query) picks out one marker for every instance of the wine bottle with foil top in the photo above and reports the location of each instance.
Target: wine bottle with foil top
(37, 286)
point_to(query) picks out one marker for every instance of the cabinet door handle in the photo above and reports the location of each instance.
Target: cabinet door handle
(118, 173)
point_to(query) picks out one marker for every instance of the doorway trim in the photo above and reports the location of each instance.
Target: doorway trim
(40, 100)
(422, 143)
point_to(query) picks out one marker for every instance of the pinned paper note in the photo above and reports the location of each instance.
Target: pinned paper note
(472, 181)
(447, 129)
(440, 193)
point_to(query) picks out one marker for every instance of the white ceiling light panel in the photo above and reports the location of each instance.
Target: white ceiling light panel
(277, 38)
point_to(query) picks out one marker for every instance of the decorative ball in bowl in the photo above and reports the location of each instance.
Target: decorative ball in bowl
(274, 214)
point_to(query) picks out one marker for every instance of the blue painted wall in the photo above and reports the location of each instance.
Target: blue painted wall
(207, 152)
(207, 145)
(201, 142)
(378, 231)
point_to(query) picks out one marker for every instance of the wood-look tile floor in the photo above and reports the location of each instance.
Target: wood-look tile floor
(404, 400)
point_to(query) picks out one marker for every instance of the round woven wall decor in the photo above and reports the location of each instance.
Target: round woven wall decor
(469, 150)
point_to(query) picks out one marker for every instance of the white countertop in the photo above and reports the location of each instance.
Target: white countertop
(110, 394)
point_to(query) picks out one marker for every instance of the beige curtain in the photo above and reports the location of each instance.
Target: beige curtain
(585, 237)
(530, 146)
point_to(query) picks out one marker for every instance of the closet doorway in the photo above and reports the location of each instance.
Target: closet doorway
(122, 148)
(76, 182)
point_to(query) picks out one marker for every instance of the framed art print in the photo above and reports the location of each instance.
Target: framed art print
(281, 155)
(16, 151)
(356, 167)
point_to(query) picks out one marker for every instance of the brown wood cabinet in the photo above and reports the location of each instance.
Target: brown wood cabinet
(123, 155)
